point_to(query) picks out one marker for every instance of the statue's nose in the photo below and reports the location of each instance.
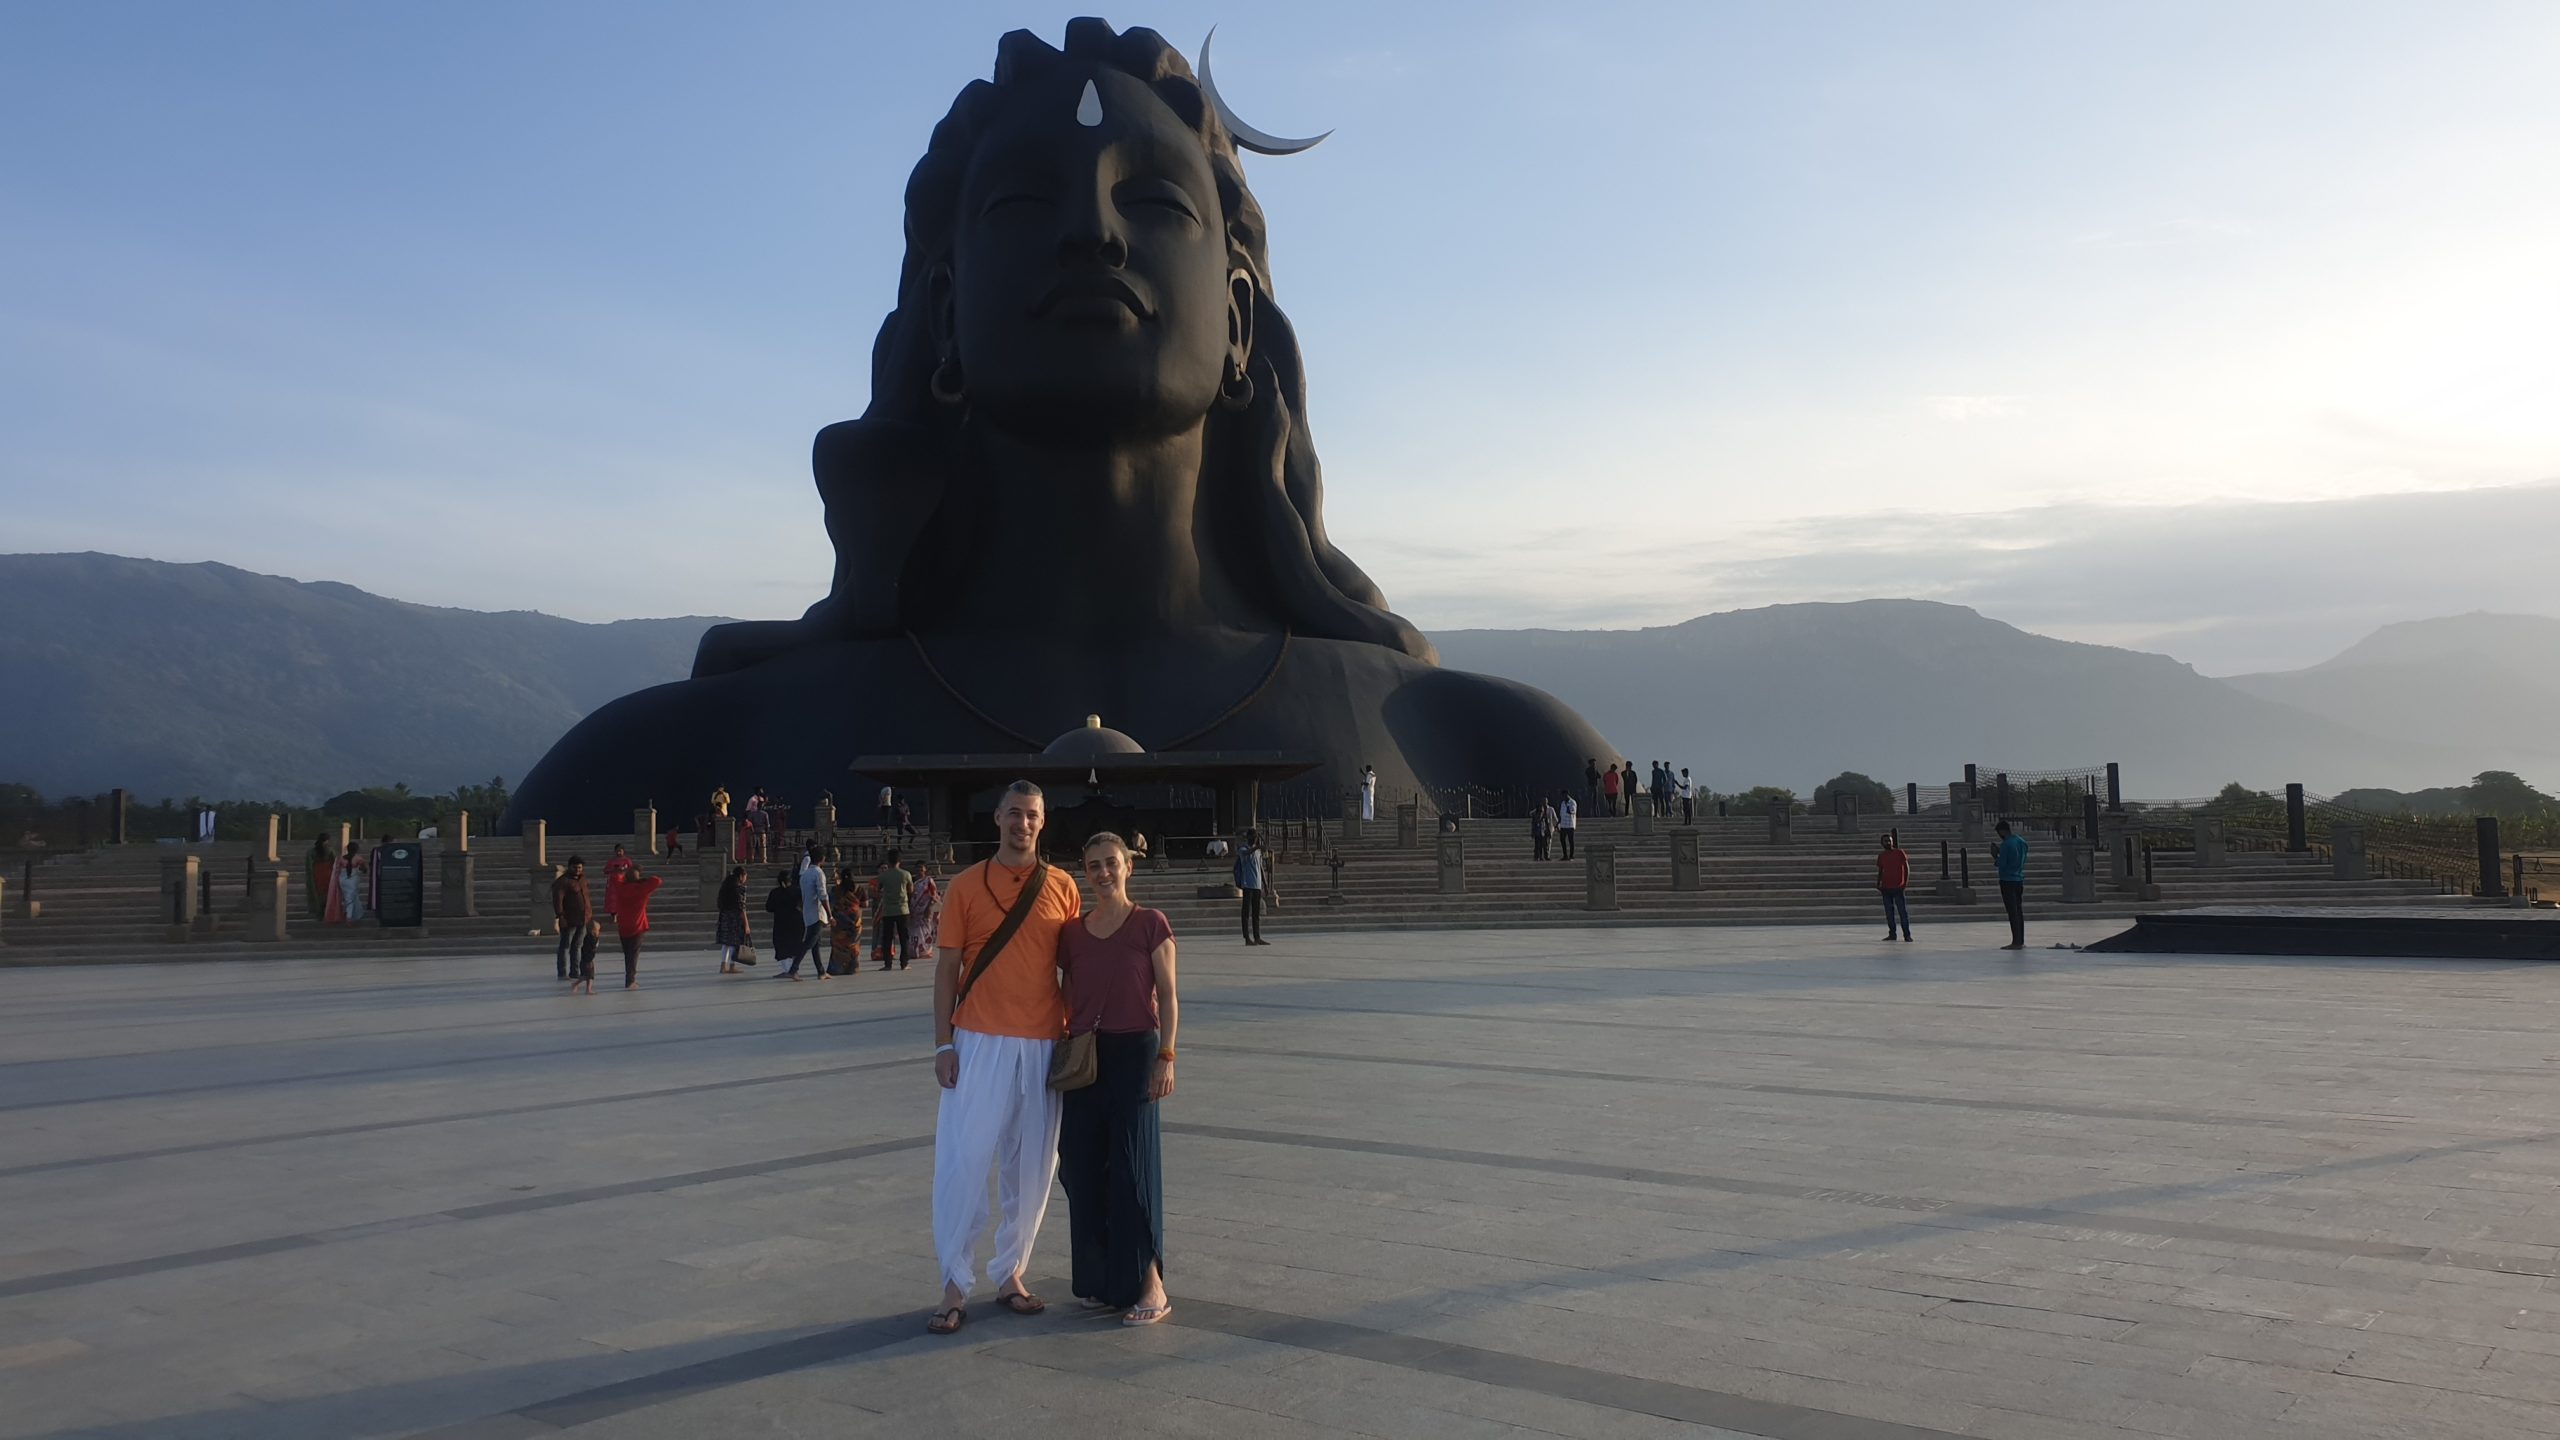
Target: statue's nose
(1090, 231)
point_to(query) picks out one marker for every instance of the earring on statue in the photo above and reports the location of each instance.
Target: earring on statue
(946, 381)
(1236, 391)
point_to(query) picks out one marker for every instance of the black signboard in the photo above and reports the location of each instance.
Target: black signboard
(400, 885)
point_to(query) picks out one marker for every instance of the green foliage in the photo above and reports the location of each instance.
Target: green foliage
(1874, 796)
(29, 821)
(2238, 799)
(1755, 801)
(2504, 794)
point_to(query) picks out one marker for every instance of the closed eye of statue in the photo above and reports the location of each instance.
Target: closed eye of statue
(1014, 198)
(1159, 196)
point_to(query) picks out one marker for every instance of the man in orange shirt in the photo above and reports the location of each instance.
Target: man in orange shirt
(993, 1029)
(1893, 877)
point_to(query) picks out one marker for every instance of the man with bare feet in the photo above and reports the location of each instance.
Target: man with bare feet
(997, 1015)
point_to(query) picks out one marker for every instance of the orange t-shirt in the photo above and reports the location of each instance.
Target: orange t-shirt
(1019, 994)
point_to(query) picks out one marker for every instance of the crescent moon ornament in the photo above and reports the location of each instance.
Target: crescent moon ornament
(1258, 141)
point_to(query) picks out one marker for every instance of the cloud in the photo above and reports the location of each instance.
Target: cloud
(1961, 408)
(2228, 587)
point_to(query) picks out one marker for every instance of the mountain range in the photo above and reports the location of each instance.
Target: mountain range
(207, 680)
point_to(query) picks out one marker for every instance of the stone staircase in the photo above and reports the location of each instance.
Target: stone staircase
(107, 905)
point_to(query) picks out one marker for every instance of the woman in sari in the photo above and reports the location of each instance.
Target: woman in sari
(1118, 964)
(924, 926)
(351, 888)
(320, 873)
(844, 924)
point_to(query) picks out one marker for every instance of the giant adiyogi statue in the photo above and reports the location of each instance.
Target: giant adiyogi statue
(1085, 485)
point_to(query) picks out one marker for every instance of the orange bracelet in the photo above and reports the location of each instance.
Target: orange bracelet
(1165, 1055)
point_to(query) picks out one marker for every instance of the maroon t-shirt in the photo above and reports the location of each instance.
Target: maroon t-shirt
(1111, 984)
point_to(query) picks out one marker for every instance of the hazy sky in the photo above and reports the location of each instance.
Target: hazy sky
(1609, 319)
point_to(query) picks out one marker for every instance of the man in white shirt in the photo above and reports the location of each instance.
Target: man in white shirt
(1688, 799)
(1566, 816)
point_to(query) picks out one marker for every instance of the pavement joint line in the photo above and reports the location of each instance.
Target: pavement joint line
(332, 1132)
(517, 1205)
(478, 1026)
(1582, 1384)
(2428, 1066)
(1817, 1092)
(213, 1086)
(1943, 1210)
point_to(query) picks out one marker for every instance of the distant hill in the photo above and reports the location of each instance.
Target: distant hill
(203, 679)
(2487, 686)
(1910, 690)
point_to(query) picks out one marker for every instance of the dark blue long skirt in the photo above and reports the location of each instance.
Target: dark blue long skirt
(1111, 1159)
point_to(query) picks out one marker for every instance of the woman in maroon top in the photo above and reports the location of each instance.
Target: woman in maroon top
(1118, 963)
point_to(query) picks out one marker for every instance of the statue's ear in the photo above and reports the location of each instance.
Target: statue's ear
(941, 308)
(1240, 314)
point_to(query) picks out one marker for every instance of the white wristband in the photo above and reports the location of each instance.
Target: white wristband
(945, 1050)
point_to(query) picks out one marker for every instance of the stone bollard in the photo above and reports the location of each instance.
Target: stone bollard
(1453, 864)
(822, 821)
(27, 906)
(644, 830)
(456, 872)
(1351, 816)
(1600, 878)
(270, 852)
(1643, 818)
(724, 838)
(268, 907)
(2208, 830)
(2347, 853)
(1782, 823)
(4, 910)
(1969, 828)
(1684, 859)
(2079, 872)
(539, 872)
(1844, 814)
(2124, 862)
(178, 894)
(1409, 825)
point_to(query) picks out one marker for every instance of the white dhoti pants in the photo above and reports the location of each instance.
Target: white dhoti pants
(1001, 1113)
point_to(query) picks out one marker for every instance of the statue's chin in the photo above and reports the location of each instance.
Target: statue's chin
(1064, 416)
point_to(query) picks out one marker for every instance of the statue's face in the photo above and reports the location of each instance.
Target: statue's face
(1089, 293)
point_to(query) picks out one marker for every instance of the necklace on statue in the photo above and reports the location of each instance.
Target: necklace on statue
(1031, 746)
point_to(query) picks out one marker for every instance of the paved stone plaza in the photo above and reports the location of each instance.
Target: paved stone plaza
(1778, 1182)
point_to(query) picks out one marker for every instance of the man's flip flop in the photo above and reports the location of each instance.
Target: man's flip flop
(1147, 1314)
(1023, 1302)
(946, 1321)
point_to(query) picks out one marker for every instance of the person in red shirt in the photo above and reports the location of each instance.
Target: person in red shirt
(628, 899)
(1893, 877)
(1609, 788)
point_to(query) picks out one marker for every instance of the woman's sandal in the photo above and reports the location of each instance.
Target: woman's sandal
(1022, 1302)
(1147, 1314)
(946, 1321)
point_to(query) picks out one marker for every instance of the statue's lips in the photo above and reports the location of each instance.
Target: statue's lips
(1092, 299)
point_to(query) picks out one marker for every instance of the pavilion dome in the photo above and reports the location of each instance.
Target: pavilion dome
(1091, 741)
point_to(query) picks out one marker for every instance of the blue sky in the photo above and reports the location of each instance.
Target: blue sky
(1610, 317)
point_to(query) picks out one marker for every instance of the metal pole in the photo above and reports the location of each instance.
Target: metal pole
(1972, 783)
(2486, 827)
(1911, 798)
(1964, 867)
(1942, 859)
(2297, 832)
(2146, 864)
(2115, 789)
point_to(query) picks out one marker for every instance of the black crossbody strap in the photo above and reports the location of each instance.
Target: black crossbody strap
(1013, 918)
